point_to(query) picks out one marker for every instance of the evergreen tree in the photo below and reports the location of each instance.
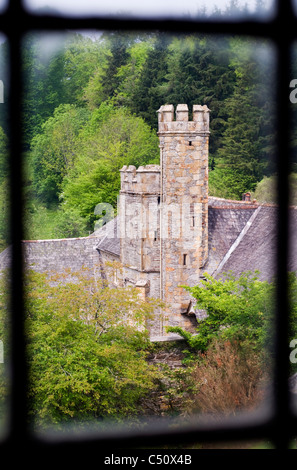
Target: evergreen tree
(246, 152)
(199, 72)
(149, 93)
(119, 56)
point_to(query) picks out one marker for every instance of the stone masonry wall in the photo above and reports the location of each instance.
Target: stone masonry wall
(58, 255)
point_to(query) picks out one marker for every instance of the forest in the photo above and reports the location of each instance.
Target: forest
(89, 107)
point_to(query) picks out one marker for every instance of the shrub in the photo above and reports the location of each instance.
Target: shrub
(229, 378)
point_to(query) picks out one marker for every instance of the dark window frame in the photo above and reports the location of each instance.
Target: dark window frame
(277, 426)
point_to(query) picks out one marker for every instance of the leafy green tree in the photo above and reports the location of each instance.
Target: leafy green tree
(86, 354)
(70, 224)
(57, 68)
(54, 151)
(83, 57)
(113, 138)
(240, 308)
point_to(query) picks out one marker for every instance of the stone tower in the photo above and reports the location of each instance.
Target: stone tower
(184, 206)
(139, 230)
(139, 217)
(163, 217)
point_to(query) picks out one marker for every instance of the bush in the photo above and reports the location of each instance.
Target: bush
(86, 361)
(241, 308)
(230, 378)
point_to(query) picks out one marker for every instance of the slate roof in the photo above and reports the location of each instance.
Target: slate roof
(242, 237)
(226, 220)
(256, 248)
(108, 238)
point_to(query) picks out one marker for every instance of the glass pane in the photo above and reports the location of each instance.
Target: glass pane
(3, 5)
(112, 335)
(4, 237)
(293, 241)
(167, 8)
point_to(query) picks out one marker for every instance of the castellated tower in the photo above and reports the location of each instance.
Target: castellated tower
(163, 217)
(139, 231)
(184, 205)
(139, 218)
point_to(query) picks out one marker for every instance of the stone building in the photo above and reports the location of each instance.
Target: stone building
(168, 232)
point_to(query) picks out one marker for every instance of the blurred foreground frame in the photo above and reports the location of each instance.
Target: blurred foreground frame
(276, 424)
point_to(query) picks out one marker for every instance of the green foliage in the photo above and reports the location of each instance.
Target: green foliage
(246, 153)
(83, 57)
(266, 189)
(240, 308)
(113, 138)
(129, 74)
(54, 151)
(70, 224)
(46, 223)
(148, 93)
(117, 75)
(87, 362)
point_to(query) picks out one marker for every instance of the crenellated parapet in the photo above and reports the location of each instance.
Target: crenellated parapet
(181, 124)
(145, 179)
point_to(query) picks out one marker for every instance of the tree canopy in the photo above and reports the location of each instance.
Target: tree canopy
(86, 348)
(90, 106)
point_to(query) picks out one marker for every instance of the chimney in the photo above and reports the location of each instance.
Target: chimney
(246, 197)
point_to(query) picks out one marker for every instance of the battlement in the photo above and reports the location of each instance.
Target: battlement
(145, 179)
(181, 125)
